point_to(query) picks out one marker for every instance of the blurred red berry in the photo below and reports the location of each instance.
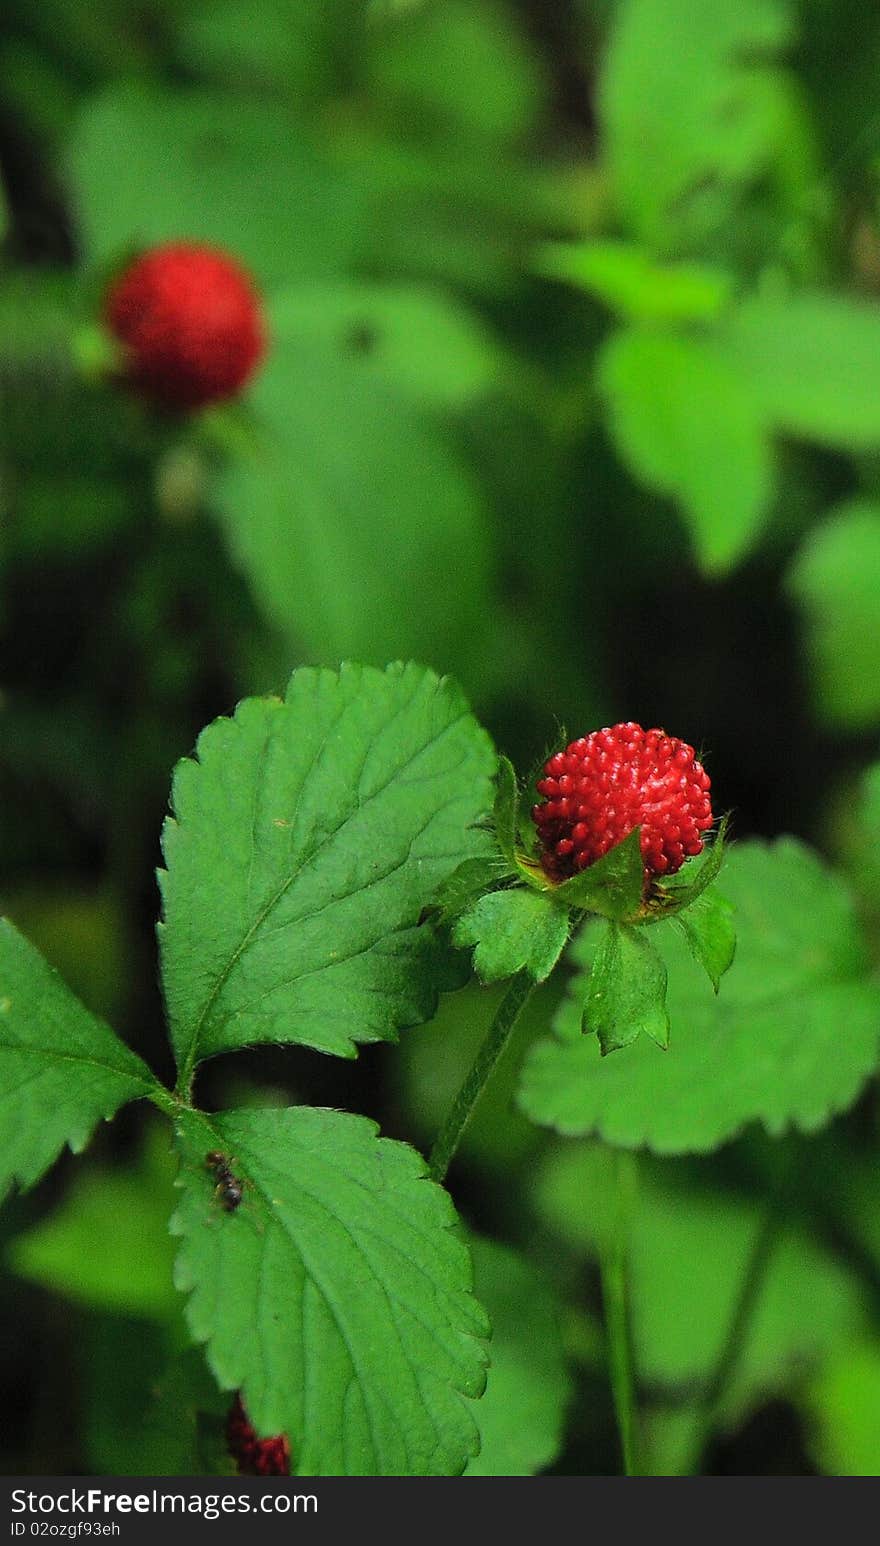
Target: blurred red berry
(605, 784)
(253, 1456)
(191, 321)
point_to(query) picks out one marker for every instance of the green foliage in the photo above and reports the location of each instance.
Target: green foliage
(305, 842)
(634, 284)
(347, 482)
(690, 1244)
(707, 924)
(62, 1068)
(688, 423)
(613, 885)
(626, 993)
(789, 1042)
(684, 109)
(835, 579)
(512, 931)
(127, 1211)
(813, 362)
(336, 1296)
(844, 1408)
(521, 1414)
(150, 166)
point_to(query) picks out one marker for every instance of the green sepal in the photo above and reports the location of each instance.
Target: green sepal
(612, 886)
(512, 931)
(682, 889)
(472, 879)
(708, 927)
(626, 993)
(505, 814)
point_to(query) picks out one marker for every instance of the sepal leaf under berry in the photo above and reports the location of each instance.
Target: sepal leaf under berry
(707, 925)
(62, 1070)
(336, 1295)
(670, 894)
(626, 991)
(612, 886)
(511, 931)
(505, 813)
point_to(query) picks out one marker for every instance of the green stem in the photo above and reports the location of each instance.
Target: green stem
(462, 1109)
(749, 1292)
(614, 1256)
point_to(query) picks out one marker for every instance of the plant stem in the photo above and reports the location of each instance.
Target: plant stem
(749, 1292)
(462, 1109)
(614, 1254)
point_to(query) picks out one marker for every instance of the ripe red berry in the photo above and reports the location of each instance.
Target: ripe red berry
(191, 321)
(605, 784)
(255, 1457)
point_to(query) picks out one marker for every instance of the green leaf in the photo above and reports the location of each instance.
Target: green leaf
(150, 166)
(709, 929)
(613, 885)
(425, 347)
(347, 511)
(61, 1069)
(513, 930)
(843, 1404)
(689, 1246)
(634, 284)
(336, 1296)
(505, 814)
(836, 581)
(789, 1042)
(689, 425)
(626, 994)
(683, 105)
(467, 883)
(521, 1414)
(306, 840)
(813, 362)
(127, 1211)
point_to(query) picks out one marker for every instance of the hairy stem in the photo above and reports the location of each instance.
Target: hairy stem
(462, 1109)
(614, 1255)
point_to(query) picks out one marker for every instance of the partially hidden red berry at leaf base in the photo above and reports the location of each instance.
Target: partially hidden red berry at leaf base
(191, 321)
(605, 784)
(253, 1456)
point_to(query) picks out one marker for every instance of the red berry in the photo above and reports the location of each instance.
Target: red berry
(605, 784)
(255, 1457)
(191, 321)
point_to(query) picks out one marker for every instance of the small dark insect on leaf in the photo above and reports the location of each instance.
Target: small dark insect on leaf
(228, 1188)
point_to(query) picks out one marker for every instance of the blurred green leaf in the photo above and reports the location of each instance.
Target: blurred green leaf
(689, 1248)
(457, 66)
(346, 514)
(521, 1413)
(843, 1408)
(107, 1245)
(689, 425)
(513, 930)
(296, 48)
(835, 579)
(409, 339)
(634, 284)
(812, 361)
(148, 166)
(363, 1382)
(626, 993)
(62, 1069)
(683, 106)
(304, 843)
(789, 1042)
